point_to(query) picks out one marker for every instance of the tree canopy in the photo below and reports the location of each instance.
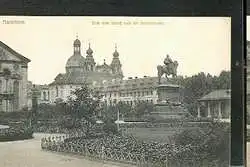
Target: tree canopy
(198, 85)
(85, 104)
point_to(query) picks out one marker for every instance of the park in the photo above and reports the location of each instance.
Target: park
(72, 129)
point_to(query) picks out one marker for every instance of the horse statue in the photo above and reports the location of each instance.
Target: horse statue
(170, 69)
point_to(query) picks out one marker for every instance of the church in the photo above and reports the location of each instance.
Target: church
(13, 80)
(80, 69)
(106, 78)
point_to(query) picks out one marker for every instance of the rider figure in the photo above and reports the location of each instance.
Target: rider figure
(167, 60)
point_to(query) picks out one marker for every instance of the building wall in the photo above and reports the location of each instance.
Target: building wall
(131, 91)
(22, 100)
(24, 87)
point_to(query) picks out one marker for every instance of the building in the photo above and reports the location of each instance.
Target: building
(13, 80)
(216, 104)
(106, 79)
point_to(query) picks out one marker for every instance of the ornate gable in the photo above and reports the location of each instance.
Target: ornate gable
(8, 54)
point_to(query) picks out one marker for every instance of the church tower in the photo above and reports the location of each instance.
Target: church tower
(76, 62)
(116, 65)
(90, 62)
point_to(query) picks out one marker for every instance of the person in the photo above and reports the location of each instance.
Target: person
(167, 60)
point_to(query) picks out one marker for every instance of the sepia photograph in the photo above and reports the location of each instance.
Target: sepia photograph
(115, 91)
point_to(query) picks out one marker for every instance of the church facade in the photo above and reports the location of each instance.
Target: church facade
(107, 79)
(13, 80)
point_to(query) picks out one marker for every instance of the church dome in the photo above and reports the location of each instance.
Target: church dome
(77, 42)
(89, 51)
(75, 61)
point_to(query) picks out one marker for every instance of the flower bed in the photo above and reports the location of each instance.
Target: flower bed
(15, 133)
(124, 149)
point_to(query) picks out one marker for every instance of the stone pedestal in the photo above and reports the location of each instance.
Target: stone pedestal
(168, 93)
(169, 103)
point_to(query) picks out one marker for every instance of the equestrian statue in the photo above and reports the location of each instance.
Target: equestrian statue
(169, 68)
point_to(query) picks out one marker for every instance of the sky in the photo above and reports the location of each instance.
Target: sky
(199, 44)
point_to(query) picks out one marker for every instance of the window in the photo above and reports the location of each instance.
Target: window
(44, 95)
(57, 91)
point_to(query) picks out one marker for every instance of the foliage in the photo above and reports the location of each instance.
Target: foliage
(8, 117)
(212, 142)
(19, 131)
(124, 109)
(142, 109)
(201, 84)
(110, 127)
(85, 103)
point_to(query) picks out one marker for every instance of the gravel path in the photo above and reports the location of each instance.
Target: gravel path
(28, 153)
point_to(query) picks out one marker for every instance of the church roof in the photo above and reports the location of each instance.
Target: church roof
(222, 94)
(3, 45)
(75, 61)
(78, 77)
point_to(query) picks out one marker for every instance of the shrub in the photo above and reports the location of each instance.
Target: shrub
(110, 127)
(211, 143)
(18, 132)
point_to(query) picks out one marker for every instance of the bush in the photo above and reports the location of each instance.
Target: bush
(212, 143)
(110, 127)
(19, 132)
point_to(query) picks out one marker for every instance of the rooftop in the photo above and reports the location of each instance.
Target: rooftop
(222, 94)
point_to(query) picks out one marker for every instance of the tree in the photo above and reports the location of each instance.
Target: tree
(142, 109)
(197, 86)
(85, 104)
(223, 81)
(124, 109)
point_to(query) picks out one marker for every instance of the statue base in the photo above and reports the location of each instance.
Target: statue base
(168, 111)
(169, 102)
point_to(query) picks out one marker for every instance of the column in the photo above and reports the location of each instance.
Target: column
(198, 110)
(219, 110)
(208, 110)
